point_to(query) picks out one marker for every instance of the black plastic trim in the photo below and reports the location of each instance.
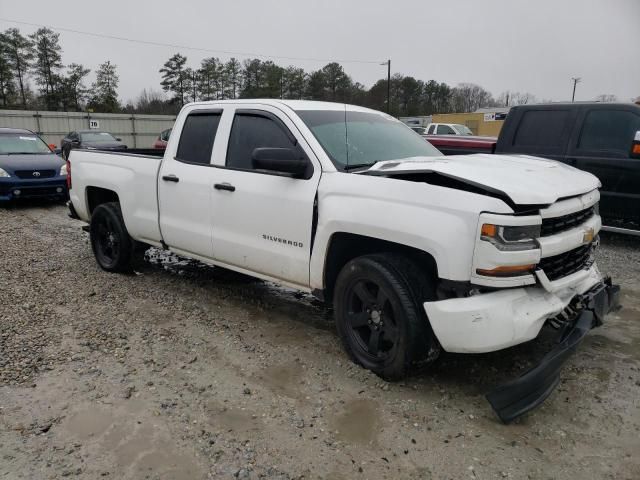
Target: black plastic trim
(525, 393)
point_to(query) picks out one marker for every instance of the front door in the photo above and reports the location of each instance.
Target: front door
(262, 220)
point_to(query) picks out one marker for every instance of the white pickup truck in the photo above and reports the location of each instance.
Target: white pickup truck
(417, 252)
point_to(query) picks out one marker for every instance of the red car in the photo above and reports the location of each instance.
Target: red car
(163, 138)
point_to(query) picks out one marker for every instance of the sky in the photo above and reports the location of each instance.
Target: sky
(516, 45)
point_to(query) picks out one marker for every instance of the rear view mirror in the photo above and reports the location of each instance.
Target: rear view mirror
(635, 146)
(283, 160)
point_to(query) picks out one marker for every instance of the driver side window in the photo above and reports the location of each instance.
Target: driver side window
(254, 130)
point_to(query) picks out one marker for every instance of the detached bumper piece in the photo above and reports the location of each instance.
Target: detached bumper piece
(525, 393)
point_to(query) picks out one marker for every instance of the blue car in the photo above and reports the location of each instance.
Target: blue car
(28, 167)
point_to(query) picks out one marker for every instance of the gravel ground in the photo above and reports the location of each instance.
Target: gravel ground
(183, 371)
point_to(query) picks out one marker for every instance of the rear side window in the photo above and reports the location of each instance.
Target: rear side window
(251, 131)
(542, 128)
(445, 130)
(431, 128)
(609, 130)
(196, 139)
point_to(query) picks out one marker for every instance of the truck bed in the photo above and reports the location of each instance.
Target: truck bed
(132, 175)
(462, 144)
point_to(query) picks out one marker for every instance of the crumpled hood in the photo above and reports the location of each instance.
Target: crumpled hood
(526, 180)
(11, 163)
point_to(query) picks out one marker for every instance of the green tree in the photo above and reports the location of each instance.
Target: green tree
(337, 83)
(295, 80)
(75, 92)
(19, 55)
(47, 65)
(7, 85)
(316, 86)
(105, 89)
(252, 79)
(234, 77)
(174, 78)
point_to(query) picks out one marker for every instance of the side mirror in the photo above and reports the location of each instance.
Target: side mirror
(635, 146)
(283, 160)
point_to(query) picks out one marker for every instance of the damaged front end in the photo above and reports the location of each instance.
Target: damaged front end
(585, 312)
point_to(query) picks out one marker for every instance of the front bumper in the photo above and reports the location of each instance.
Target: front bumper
(493, 321)
(521, 395)
(49, 187)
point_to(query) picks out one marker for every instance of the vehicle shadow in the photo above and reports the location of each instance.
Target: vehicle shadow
(473, 374)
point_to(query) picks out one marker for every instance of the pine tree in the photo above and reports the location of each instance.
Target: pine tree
(234, 76)
(75, 90)
(7, 85)
(48, 64)
(105, 89)
(174, 78)
(20, 55)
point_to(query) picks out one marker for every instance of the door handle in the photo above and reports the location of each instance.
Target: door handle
(225, 186)
(170, 178)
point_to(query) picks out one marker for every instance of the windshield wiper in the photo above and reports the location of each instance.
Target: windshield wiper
(346, 168)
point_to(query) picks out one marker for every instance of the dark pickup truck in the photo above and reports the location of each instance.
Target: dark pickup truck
(601, 138)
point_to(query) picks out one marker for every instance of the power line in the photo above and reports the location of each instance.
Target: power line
(185, 47)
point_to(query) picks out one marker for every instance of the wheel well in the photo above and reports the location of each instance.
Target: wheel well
(344, 247)
(97, 196)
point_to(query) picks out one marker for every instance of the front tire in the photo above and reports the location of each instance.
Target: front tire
(110, 240)
(380, 317)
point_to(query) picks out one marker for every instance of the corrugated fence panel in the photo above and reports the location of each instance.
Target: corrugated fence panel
(139, 131)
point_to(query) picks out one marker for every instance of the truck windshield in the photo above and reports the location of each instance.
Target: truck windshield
(462, 129)
(14, 144)
(352, 138)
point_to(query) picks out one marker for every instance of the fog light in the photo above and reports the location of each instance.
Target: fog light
(59, 189)
(17, 192)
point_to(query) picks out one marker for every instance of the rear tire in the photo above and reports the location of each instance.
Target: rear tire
(112, 246)
(380, 317)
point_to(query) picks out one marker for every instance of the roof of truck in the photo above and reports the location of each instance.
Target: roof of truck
(293, 104)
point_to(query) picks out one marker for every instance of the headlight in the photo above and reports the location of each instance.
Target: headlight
(511, 238)
(3, 173)
(63, 170)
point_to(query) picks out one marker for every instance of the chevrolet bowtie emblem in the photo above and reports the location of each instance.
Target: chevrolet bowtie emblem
(588, 236)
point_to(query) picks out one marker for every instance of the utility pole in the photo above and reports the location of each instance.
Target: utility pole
(388, 64)
(576, 80)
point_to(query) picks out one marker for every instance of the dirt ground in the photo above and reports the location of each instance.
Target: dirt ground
(183, 371)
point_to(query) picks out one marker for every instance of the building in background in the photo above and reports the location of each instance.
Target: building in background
(485, 122)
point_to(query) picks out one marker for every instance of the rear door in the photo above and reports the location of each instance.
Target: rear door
(185, 184)
(262, 220)
(601, 145)
(542, 131)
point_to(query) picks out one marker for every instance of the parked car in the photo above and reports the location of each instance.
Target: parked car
(448, 129)
(91, 140)
(29, 167)
(163, 138)
(416, 252)
(599, 138)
